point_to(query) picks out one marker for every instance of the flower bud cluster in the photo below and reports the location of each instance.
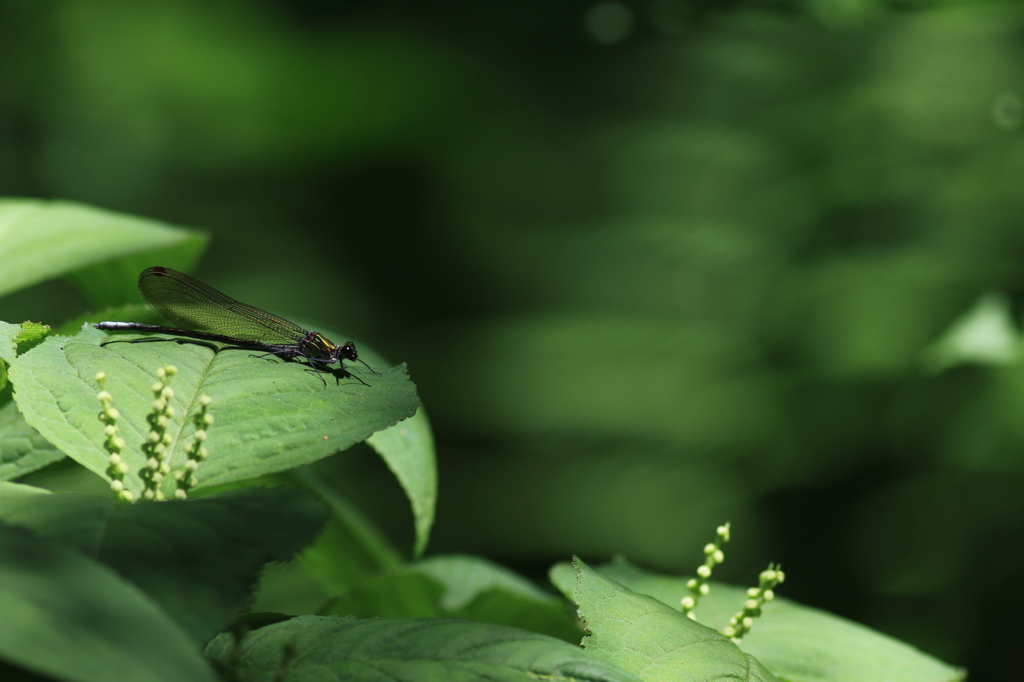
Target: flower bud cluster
(113, 444)
(741, 623)
(158, 441)
(196, 451)
(698, 587)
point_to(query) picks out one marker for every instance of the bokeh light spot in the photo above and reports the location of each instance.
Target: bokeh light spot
(609, 23)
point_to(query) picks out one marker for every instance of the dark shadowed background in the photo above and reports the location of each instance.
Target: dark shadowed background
(654, 265)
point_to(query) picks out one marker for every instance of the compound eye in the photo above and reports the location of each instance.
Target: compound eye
(349, 350)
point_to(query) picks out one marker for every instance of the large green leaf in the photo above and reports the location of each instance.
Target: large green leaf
(13, 490)
(649, 638)
(408, 450)
(351, 548)
(270, 415)
(795, 642)
(331, 649)
(198, 559)
(41, 240)
(459, 586)
(22, 448)
(66, 616)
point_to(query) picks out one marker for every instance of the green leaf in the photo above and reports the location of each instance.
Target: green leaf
(796, 642)
(68, 617)
(29, 334)
(8, 346)
(478, 589)
(13, 490)
(41, 240)
(22, 448)
(652, 640)
(115, 282)
(458, 586)
(77, 520)
(465, 577)
(402, 594)
(15, 338)
(270, 415)
(408, 450)
(407, 650)
(351, 548)
(198, 559)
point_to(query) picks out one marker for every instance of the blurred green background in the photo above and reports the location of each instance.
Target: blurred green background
(654, 265)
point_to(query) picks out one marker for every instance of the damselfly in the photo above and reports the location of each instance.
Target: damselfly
(202, 312)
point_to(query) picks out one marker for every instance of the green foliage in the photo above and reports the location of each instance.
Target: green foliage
(795, 642)
(74, 619)
(454, 586)
(272, 415)
(197, 560)
(408, 450)
(650, 639)
(22, 448)
(691, 264)
(404, 649)
(42, 240)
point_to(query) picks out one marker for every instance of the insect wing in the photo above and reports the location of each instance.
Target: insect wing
(191, 304)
